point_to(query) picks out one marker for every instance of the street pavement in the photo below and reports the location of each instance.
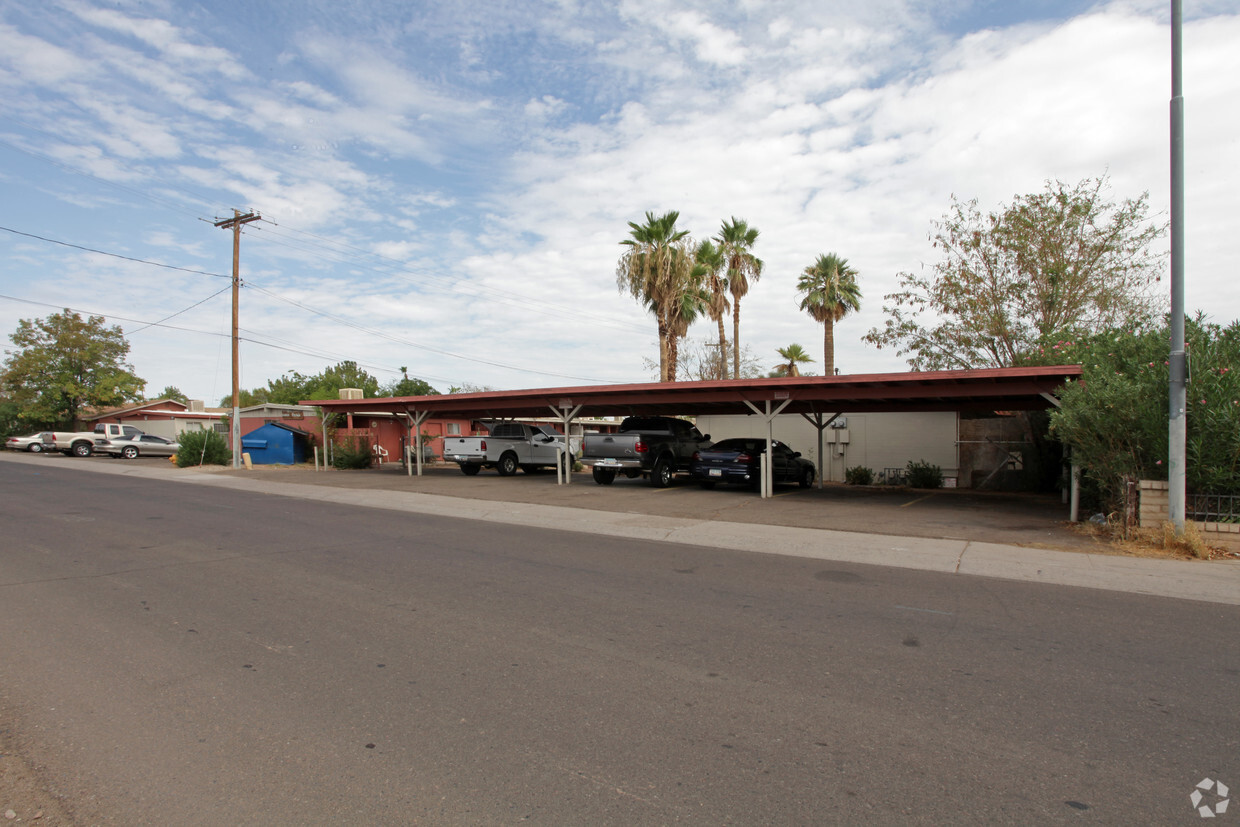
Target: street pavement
(738, 526)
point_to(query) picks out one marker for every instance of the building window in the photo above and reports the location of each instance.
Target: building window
(454, 428)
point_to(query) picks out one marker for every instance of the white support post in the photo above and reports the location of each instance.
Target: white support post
(565, 413)
(767, 485)
(416, 420)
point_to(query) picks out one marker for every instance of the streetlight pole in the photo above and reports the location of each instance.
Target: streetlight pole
(1177, 432)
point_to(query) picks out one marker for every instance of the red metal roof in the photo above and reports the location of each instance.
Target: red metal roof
(1006, 389)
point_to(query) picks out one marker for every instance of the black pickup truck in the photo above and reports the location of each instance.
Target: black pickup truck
(657, 446)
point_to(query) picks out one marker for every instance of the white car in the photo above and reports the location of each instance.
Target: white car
(32, 443)
(138, 445)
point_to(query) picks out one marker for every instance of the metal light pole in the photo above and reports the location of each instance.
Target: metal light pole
(1177, 425)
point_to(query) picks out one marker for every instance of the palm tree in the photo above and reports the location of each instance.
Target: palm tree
(709, 257)
(692, 301)
(829, 293)
(792, 355)
(736, 240)
(653, 271)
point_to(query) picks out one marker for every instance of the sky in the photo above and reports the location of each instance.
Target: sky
(444, 186)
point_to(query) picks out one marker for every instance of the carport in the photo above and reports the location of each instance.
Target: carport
(819, 399)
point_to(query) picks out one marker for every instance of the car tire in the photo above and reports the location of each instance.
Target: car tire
(35, 447)
(470, 470)
(129, 452)
(507, 465)
(807, 478)
(81, 449)
(604, 476)
(661, 474)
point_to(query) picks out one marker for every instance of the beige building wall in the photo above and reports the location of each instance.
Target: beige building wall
(874, 440)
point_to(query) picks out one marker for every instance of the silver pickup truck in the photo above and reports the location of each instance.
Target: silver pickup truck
(508, 446)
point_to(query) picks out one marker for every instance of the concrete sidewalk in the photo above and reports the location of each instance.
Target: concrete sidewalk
(1209, 581)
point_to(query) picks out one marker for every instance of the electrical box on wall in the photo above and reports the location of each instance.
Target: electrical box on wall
(839, 422)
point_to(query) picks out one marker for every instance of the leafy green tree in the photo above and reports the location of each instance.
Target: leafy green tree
(658, 270)
(64, 364)
(247, 399)
(173, 393)
(793, 356)
(1115, 417)
(1055, 265)
(736, 240)
(829, 292)
(408, 387)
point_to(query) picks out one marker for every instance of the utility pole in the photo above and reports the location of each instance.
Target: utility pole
(1177, 426)
(234, 427)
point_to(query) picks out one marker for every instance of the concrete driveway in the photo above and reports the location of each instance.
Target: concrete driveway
(1030, 520)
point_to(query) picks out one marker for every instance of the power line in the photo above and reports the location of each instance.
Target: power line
(160, 323)
(115, 255)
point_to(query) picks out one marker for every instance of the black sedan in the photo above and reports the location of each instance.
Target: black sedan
(737, 461)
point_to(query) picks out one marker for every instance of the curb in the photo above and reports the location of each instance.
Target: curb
(1215, 581)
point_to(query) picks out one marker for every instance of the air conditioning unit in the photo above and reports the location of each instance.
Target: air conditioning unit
(350, 393)
(839, 422)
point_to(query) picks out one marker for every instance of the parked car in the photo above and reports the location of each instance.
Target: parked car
(83, 443)
(737, 461)
(138, 445)
(32, 443)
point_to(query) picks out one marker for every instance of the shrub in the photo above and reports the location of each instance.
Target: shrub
(203, 448)
(859, 475)
(922, 474)
(353, 453)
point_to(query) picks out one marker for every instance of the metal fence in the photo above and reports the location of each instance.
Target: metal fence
(1214, 508)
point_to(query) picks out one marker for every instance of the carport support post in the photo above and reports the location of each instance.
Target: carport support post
(415, 435)
(566, 419)
(768, 485)
(821, 426)
(323, 421)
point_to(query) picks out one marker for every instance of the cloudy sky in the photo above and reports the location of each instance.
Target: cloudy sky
(444, 185)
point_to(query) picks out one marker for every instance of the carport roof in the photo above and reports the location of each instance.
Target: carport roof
(998, 389)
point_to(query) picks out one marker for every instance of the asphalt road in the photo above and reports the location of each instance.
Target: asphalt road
(185, 655)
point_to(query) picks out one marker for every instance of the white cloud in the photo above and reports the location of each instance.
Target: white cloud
(459, 183)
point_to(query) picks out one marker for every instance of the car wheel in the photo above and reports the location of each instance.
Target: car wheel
(661, 475)
(35, 448)
(507, 465)
(470, 470)
(81, 449)
(604, 476)
(807, 478)
(129, 452)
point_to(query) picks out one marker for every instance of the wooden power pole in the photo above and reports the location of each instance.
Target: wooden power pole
(234, 427)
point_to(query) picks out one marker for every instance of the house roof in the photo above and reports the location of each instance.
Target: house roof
(282, 426)
(1028, 388)
(162, 405)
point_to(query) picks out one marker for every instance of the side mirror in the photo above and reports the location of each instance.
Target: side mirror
(796, 453)
(706, 437)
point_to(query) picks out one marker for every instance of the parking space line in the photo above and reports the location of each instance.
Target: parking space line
(919, 499)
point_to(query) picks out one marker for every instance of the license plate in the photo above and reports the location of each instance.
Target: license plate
(716, 472)
(609, 461)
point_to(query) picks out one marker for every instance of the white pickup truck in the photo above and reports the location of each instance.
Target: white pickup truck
(508, 446)
(82, 443)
